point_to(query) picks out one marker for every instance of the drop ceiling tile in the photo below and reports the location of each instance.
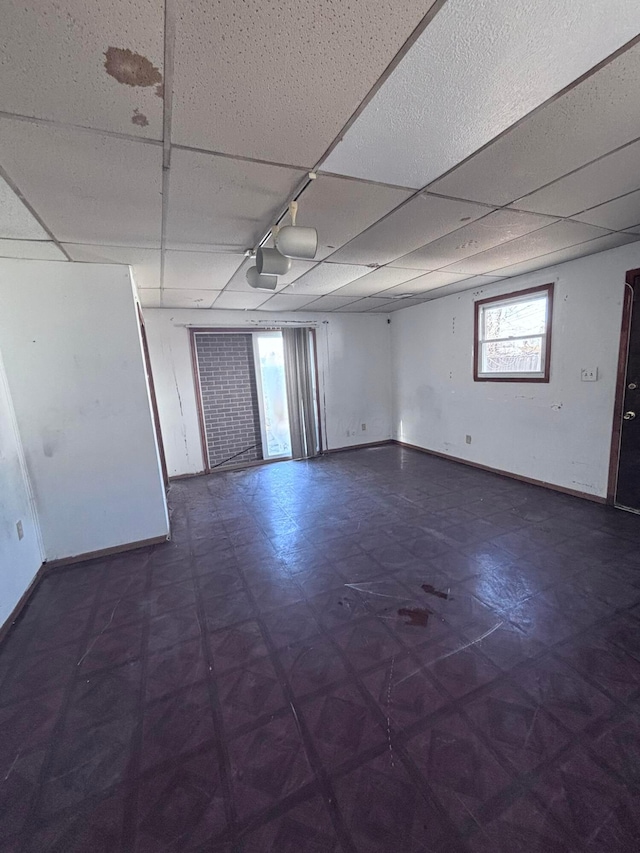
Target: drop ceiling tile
(37, 250)
(224, 203)
(145, 263)
(278, 81)
(183, 298)
(242, 301)
(476, 283)
(491, 230)
(598, 115)
(340, 208)
(327, 277)
(426, 282)
(363, 305)
(496, 62)
(558, 236)
(150, 297)
(286, 302)
(399, 304)
(380, 279)
(600, 244)
(618, 215)
(610, 177)
(330, 303)
(54, 57)
(199, 270)
(16, 222)
(86, 187)
(419, 221)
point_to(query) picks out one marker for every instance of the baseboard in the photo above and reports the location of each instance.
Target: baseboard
(13, 617)
(360, 446)
(565, 491)
(104, 552)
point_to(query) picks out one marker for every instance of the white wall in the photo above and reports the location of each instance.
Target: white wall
(20, 559)
(354, 366)
(559, 433)
(73, 360)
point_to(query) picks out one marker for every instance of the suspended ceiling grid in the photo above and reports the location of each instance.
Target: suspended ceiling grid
(456, 143)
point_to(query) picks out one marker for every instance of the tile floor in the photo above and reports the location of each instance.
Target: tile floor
(375, 651)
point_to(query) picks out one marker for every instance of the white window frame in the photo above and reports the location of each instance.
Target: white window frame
(543, 375)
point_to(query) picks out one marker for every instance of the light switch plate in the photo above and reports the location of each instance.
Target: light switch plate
(589, 374)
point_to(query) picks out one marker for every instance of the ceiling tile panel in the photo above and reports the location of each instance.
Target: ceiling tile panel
(558, 236)
(600, 114)
(84, 62)
(16, 222)
(150, 298)
(600, 244)
(145, 262)
(199, 270)
(618, 215)
(286, 302)
(224, 203)
(363, 305)
(398, 305)
(340, 208)
(86, 187)
(277, 80)
(37, 250)
(610, 177)
(241, 301)
(495, 61)
(476, 283)
(380, 279)
(419, 221)
(498, 227)
(330, 303)
(325, 278)
(183, 298)
(426, 282)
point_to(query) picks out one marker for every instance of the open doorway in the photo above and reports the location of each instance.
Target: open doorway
(257, 395)
(624, 472)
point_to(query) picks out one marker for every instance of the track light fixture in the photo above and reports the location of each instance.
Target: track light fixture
(295, 241)
(261, 282)
(271, 262)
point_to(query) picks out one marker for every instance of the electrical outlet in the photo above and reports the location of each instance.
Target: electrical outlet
(468, 439)
(364, 427)
(589, 374)
(20, 530)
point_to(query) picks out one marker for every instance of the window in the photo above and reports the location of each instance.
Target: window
(513, 336)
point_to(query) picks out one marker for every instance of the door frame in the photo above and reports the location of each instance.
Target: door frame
(244, 330)
(632, 280)
(260, 389)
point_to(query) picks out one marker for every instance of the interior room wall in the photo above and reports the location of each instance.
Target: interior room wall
(20, 559)
(354, 368)
(73, 359)
(560, 432)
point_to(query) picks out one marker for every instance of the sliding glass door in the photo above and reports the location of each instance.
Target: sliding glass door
(272, 395)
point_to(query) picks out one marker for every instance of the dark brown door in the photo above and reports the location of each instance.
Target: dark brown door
(628, 487)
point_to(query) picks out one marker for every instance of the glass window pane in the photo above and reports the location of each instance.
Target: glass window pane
(274, 396)
(515, 319)
(523, 356)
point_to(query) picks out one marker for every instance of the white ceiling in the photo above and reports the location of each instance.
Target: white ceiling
(172, 136)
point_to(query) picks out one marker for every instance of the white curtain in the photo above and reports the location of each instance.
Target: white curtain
(298, 368)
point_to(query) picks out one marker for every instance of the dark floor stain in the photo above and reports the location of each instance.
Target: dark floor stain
(431, 590)
(131, 68)
(418, 616)
(160, 90)
(139, 118)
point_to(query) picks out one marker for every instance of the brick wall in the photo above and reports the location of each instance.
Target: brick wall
(229, 397)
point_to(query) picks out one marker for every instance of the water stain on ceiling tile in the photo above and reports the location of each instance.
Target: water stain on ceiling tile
(139, 118)
(131, 69)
